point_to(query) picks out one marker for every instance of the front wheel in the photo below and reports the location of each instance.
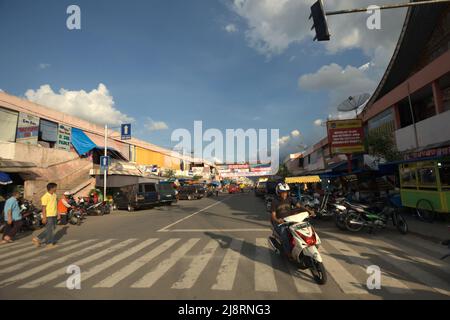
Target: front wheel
(354, 222)
(425, 210)
(130, 208)
(401, 224)
(339, 221)
(318, 272)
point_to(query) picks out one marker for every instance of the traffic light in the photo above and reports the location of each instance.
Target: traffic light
(320, 21)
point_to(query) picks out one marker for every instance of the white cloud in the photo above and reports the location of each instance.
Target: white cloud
(318, 122)
(339, 82)
(1, 90)
(96, 106)
(295, 133)
(274, 25)
(231, 28)
(43, 66)
(294, 142)
(152, 125)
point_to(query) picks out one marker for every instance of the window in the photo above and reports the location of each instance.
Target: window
(141, 188)
(300, 162)
(408, 176)
(8, 125)
(427, 177)
(444, 174)
(150, 187)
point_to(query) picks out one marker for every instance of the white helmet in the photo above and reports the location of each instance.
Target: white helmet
(67, 193)
(282, 187)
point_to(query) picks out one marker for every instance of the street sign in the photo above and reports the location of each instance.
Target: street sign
(345, 136)
(125, 131)
(104, 162)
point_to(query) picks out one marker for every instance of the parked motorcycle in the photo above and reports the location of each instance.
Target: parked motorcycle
(360, 216)
(31, 216)
(304, 242)
(98, 209)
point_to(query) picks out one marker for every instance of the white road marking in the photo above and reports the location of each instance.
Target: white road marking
(391, 284)
(8, 246)
(32, 254)
(196, 267)
(193, 214)
(302, 282)
(150, 278)
(85, 275)
(227, 271)
(30, 247)
(121, 274)
(218, 230)
(264, 272)
(344, 279)
(49, 265)
(30, 260)
(61, 272)
(409, 268)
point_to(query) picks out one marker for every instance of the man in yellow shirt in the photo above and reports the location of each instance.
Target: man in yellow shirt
(49, 213)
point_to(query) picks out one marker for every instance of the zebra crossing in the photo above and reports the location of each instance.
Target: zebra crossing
(142, 263)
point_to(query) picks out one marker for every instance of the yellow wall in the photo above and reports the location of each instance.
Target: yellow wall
(148, 157)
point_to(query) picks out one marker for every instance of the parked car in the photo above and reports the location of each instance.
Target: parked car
(167, 193)
(189, 193)
(137, 196)
(233, 188)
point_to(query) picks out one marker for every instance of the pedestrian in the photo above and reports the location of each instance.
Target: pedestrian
(13, 218)
(49, 212)
(63, 208)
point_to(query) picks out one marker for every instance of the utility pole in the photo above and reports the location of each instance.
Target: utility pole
(105, 170)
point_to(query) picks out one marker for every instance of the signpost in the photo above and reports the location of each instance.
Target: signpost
(64, 137)
(346, 137)
(27, 129)
(125, 131)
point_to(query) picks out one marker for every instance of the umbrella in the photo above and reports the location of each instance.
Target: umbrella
(5, 178)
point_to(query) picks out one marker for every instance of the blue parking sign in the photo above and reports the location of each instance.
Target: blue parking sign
(125, 131)
(104, 162)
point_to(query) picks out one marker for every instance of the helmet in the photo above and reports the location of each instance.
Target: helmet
(67, 193)
(282, 187)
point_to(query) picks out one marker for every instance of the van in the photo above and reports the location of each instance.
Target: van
(167, 193)
(189, 192)
(137, 196)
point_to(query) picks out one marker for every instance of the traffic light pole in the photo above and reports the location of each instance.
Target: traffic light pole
(392, 6)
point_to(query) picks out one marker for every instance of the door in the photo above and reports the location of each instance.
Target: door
(151, 195)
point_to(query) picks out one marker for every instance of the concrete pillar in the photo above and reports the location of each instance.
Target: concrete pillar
(438, 97)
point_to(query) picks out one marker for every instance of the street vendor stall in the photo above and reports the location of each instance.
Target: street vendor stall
(425, 186)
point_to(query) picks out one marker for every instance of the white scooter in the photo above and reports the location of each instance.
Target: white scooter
(304, 243)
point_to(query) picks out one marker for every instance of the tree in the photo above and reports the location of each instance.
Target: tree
(170, 173)
(381, 144)
(283, 171)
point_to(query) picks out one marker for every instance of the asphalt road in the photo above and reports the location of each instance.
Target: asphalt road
(215, 248)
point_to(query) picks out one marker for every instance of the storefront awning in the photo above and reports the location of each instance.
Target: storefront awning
(303, 179)
(81, 142)
(5, 179)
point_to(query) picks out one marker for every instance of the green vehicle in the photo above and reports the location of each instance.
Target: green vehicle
(425, 186)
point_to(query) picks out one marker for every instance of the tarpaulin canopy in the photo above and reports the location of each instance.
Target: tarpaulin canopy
(5, 178)
(303, 179)
(81, 141)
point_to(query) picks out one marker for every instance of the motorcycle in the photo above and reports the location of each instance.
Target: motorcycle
(310, 202)
(268, 200)
(98, 209)
(304, 243)
(360, 216)
(31, 216)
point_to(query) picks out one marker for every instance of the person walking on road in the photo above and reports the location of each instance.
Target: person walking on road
(49, 212)
(13, 218)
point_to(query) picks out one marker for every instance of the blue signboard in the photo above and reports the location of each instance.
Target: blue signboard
(125, 131)
(104, 162)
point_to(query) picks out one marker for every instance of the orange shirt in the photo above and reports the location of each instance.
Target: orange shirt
(62, 209)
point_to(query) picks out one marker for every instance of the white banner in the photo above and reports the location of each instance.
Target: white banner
(27, 129)
(64, 137)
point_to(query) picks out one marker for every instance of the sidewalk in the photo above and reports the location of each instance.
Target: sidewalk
(436, 231)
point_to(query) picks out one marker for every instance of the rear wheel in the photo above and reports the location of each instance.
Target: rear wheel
(130, 208)
(425, 210)
(354, 222)
(318, 272)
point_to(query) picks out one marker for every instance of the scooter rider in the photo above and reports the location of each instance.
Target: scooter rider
(282, 208)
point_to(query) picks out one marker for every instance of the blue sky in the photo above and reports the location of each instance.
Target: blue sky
(168, 63)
